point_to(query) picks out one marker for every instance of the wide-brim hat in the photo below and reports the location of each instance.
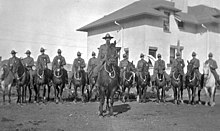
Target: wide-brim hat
(194, 54)
(78, 53)
(141, 55)
(59, 51)
(107, 36)
(28, 52)
(93, 53)
(210, 54)
(13, 52)
(42, 49)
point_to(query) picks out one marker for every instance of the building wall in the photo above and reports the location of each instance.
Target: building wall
(139, 34)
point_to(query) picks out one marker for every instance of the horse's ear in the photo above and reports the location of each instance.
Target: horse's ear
(187, 61)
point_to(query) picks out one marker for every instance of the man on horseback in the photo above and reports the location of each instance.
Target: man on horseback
(58, 62)
(123, 64)
(196, 64)
(42, 59)
(160, 66)
(178, 64)
(140, 65)
(12, 61)
(91, 64)
(78, 63)
(213, 66)
(28, 62)
(102, 55)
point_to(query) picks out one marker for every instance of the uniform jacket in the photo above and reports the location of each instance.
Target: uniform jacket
(42, 59)
(58, 61)
(102, 53)
(123, 63)
(140, 65)
(78, 62)
(91, 64)
(12, 60)
(212, 64)
(159, 65)
(28, 61)
(195, 62)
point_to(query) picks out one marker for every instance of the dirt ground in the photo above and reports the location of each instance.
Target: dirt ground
(130, 116)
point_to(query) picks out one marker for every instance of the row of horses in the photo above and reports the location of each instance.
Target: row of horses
(109, 82)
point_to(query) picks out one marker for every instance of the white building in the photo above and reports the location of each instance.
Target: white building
(155, 26)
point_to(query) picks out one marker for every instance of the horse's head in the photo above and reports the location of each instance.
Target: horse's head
(58, 72)
(130, 67)
(190, 69)
(18, 67)
(206, 70)
(3, 71)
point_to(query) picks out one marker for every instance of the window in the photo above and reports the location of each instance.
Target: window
(166, 22)
(180, 24)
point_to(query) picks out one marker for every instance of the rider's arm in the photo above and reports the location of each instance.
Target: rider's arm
(83, 64)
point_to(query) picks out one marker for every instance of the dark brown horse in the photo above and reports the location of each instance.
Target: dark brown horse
(143, 82)
(127, 80)
(7, 81)
(42, 79)
(108, 80)
(91, 83)
(160, 84)
(176, 80)
(22, 77)
(192, 83)
(79, 79)
(59, 80)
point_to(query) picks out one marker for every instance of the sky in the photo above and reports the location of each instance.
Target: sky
(52, 24)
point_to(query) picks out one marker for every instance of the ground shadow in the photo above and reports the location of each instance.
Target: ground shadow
(119, 109)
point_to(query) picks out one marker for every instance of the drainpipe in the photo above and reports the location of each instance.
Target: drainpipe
(207, 44)
(121, 37)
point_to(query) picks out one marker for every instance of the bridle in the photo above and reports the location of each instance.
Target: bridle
(112, 73)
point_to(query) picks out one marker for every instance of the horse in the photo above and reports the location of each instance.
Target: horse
(22, 80)
(108, 80)
(59, 80)
(7, 81)
(192, 83)
(209, 85)
(160, 84)
(79, 80)
(176, 80)
(43, 78)
(127, 80)
(143, 80)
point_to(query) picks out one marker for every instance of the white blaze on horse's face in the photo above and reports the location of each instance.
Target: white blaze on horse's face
(58, 61)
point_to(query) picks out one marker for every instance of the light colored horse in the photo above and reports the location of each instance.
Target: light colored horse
(209, 85)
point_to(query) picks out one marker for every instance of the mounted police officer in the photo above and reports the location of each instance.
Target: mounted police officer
(91, 64)
(213, 66)
(28, 62)
(42, 59)
(102, 54)
(123, 64)
(58, 62)
(160, 66)
(78, 63)
(196, 64)
(13, 60)
(140, 65)
(178, 64)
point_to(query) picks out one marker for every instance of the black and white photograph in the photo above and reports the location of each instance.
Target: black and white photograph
(109, 65)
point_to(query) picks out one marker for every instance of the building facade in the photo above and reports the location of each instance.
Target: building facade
(156, 26)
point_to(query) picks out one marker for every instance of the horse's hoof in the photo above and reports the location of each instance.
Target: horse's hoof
(175, 102)
(181, 101)
(112, 116)
(206, 104)
(199, 102)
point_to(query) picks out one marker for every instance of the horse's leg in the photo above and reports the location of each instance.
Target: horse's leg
(199, 94)
(181, 95)
(193, 94)
(144, 93)
(30, 93)
(189, 95)
(207, 96)
(158, 94)
(75, 89)
(102, 100)
(107, 102)
(112, 100)
(212, 92)
(3, 91)
(48, 95)
(61, 92)
(123, 93)
(55, 93)
(128, 94)
(163, 94)
(19, 94)
(175, 94)
(83, 95)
